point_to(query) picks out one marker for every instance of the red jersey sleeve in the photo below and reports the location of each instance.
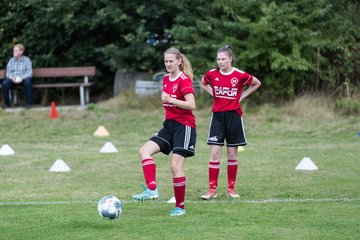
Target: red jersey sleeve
(246, 79)
(207, 77)
(186, 86)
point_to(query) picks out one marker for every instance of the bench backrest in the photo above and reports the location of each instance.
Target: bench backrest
(59, 72)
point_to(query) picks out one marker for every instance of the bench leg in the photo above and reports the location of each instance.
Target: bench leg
(82, 96)
(87, 95)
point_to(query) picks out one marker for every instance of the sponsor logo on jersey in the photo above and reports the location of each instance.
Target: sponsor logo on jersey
(165, 85)
(215, 139)
(234, 81)
(225, 92)
(175, 87)
(216, 79)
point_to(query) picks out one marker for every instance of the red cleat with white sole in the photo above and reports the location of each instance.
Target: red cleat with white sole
(209, 195)
(232, 193)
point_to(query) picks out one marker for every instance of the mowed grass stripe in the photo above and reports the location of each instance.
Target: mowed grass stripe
(255, 201)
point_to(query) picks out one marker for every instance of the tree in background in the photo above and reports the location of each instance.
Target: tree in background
(109, 34)
(277, 41)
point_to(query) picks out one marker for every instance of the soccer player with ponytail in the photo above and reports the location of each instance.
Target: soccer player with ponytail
(225, 84)
(178, 134)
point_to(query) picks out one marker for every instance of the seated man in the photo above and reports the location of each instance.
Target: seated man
(18, 72)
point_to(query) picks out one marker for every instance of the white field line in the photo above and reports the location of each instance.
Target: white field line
(265, 201)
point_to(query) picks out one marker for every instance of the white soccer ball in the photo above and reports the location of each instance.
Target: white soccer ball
(109, 207)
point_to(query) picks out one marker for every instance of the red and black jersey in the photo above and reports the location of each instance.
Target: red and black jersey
(227, 88)
(178, 88)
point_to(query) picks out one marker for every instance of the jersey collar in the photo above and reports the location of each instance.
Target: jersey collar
(173, 79)
(228, 73)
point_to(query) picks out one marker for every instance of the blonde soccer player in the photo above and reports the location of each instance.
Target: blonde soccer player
(178, 134)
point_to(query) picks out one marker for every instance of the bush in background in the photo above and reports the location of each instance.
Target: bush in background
(348, 106)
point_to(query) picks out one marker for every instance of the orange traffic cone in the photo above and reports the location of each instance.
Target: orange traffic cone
(53, 113)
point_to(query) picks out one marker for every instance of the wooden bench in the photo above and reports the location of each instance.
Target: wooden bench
(84, 72)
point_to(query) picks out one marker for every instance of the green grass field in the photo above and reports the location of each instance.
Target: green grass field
(323, 204)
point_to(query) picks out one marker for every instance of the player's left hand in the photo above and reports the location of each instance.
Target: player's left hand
(165, 97)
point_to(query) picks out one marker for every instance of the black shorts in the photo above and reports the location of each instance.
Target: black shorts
(226, 126)
(176, 137)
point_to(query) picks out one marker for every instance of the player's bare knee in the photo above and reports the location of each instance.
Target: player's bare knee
(215, 156)
(232, 153)
(143, 152)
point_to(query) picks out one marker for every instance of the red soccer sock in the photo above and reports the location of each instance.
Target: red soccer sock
(149, 169)
(214, 168)
(232, 172)
(179, 191)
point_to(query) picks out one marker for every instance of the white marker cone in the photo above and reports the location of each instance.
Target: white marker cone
(6, 150)
(59, 166)
(241, 149)
(306, 164)
(101, 132)
(108, 148)
(172, 200)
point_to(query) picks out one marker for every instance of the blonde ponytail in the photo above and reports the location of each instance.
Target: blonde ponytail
(185, 65)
